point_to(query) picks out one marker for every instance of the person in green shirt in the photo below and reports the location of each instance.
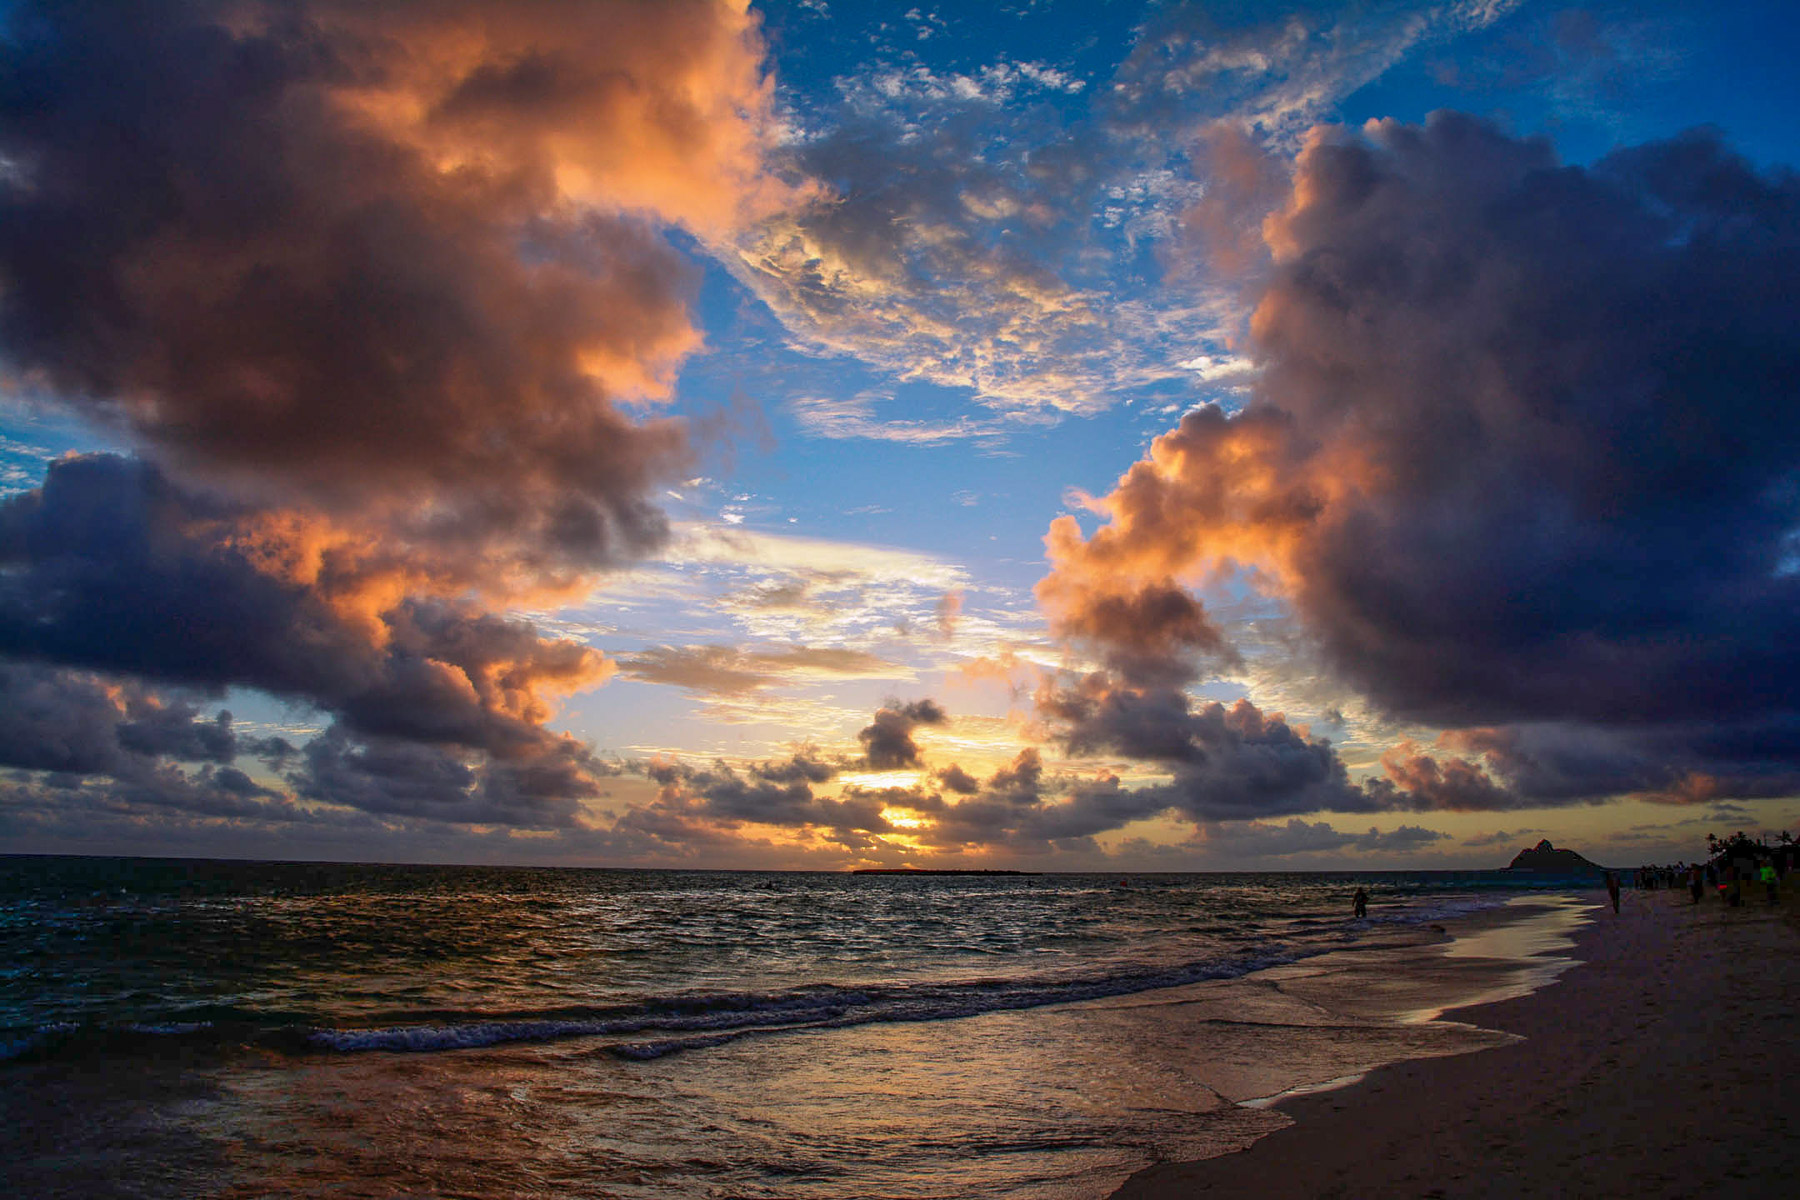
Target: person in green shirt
(1768, 878)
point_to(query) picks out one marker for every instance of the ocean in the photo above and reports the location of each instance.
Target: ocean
(241, 1029)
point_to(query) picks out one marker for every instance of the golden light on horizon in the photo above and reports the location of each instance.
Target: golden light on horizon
(878, 780)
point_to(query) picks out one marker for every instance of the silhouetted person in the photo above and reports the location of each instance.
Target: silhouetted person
(1359, 903)
(1769, 880)
(1612, 888)
(1694, 882)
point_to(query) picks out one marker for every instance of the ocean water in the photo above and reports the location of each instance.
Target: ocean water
(232, 1029)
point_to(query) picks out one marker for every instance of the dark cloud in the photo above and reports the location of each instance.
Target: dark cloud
(1521, 458)
(1226, 763)
(332, 250)
(111, 567)
(392, 777)
(162, 798)
(78, 723)
(887, 740)
(1019, 810)
(90, 743)
(1571, 390)
(1403, 839)
(805, 767)
(778, 794)
(1561, 763)
(1156, 634)
(1021, 779)
(1254, 840)
(958, 780)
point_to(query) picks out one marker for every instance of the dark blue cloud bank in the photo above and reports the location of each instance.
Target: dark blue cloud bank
(1522, 456)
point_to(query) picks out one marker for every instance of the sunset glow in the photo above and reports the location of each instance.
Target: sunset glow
(1041, 436)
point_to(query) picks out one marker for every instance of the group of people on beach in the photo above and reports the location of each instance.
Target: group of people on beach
(1728, 877)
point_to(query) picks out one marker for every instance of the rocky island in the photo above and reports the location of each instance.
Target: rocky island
(1546, 859)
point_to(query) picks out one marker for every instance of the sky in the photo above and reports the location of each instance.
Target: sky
(1053, 436)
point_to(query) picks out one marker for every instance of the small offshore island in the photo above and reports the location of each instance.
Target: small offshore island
(1547, 859)
(933, 871)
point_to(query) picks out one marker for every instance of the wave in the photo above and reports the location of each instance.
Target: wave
(659, 1026)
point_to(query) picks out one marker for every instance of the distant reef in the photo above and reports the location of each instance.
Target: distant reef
(1546, 859)
(929, 871)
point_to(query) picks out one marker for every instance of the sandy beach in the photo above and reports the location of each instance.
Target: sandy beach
(1661, 1065)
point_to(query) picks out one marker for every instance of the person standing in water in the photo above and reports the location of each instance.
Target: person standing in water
(1359, 903)
(1612, 888)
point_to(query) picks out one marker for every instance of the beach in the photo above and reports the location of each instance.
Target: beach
(1661, 1065)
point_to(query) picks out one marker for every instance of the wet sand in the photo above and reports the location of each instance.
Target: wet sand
(1661, 1065)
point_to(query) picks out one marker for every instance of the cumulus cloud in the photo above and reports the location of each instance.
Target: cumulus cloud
(1519, 456)
(887, 740)
(958, 780)
(388, 776)
(693, 800)
(380, 294)
(114, 567)
(77, 723)
(111, 567)
(394, 259)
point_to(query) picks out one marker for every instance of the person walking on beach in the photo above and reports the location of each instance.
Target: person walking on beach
(1612, 888)
(1769, 881)
(1694, 882)
(1359, 903)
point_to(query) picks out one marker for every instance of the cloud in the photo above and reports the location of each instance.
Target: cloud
(1257, 839)
(390, 259)
(1275, 75)
(958, 780)
(961, 231)
(778, 794)
(986, 227)
(111, 567)
(887, 740)
(76, 723)
(1518, 458)
(403, 778)
(730, 671)
(803, 560)
(1454, 784)
(1500, 837)
(381, 295)
(949, 614)
(842, 419)
(1149, 634)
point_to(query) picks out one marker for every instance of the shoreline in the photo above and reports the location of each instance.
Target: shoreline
(1657, 1058)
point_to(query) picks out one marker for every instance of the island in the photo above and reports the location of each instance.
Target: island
(1546, 859)
(933, 871)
